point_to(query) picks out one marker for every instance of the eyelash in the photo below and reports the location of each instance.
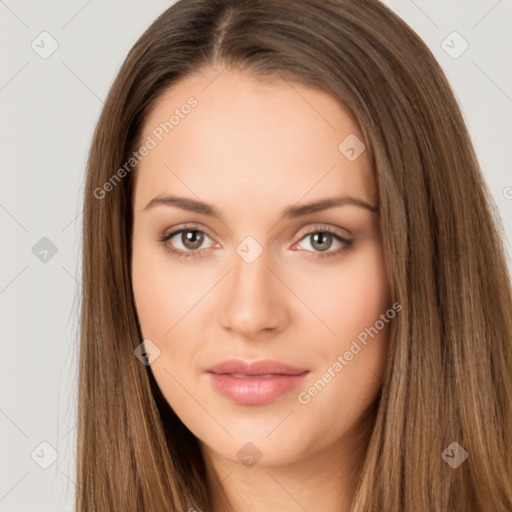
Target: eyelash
(163, 239)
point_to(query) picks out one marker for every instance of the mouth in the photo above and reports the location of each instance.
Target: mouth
(254, 383)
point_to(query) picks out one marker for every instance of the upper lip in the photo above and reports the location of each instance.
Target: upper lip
(263, 367)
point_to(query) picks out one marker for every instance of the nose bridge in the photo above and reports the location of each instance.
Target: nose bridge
(251, 266)
(253, 302)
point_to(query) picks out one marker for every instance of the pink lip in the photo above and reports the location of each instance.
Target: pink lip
(256, 383)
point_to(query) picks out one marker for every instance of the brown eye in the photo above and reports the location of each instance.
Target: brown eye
(192, 239)
(185, 242)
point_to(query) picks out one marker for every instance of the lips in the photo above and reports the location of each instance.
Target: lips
(254, 383)
(266, 367)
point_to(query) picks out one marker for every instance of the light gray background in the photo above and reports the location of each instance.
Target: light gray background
(49, 108)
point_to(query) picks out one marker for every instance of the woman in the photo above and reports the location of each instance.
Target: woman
(295, 295)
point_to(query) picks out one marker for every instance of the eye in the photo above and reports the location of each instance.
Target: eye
(321, 240)
(190, 238)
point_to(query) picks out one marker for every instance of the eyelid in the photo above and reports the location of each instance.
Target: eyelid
(187, 226)
(319, 226)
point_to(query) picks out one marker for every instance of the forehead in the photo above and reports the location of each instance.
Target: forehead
(224, 133)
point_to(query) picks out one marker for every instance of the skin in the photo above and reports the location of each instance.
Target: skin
(252, 148)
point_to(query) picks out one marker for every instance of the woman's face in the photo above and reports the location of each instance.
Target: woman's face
(303, 294)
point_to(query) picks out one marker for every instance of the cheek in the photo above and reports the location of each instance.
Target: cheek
(163, 292)
(352, 361)
(163, 296)
(364, 291)
(365, 321)
(167, 300)
(151, 293)
(348, 297)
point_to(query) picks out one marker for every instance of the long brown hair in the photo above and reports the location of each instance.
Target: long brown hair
(449, 367)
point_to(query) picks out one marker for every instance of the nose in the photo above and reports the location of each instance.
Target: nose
(253, 299)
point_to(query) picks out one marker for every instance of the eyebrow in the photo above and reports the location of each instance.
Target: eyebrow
(290, 212)
(324, 204)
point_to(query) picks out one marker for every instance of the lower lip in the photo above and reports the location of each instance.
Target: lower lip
(255, 390)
